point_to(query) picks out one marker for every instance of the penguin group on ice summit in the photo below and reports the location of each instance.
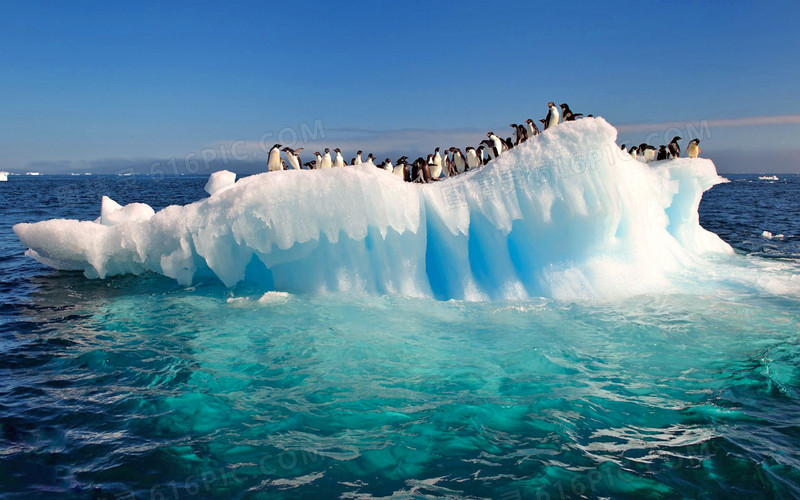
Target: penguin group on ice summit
(449, 162)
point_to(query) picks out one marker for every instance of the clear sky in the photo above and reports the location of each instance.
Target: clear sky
(104, 84)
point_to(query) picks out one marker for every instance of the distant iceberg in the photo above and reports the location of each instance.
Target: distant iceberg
(3, 176)
(768, 178)
(566, 214)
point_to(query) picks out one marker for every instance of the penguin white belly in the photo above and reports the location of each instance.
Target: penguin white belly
(398, 171)
(436, 170)
(274, 161)
(693, 150)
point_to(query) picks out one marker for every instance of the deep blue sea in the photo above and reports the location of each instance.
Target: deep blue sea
(137, 387)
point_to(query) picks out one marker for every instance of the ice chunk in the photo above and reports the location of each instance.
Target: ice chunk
(112, 213)
(565, 215)
(220, 181)
(3, 176)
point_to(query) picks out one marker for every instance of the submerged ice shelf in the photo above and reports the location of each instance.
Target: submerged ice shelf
(566, 214)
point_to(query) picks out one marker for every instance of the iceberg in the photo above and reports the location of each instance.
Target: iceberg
(566, 215)
(3, 176)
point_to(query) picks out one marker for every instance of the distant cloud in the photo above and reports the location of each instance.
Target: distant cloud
(745, 121)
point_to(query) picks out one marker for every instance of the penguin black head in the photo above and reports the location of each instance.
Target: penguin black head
(551, 104)
(676, 139)
(336, 150)
(317, 153)
(287, 148)
(436, 150)
(622, 147)
(277, 146)
(695, 140)
(327, 150)
(359, 152)
(564, 106)
(489, 134)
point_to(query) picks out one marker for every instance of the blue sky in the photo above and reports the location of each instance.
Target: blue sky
(88, 84)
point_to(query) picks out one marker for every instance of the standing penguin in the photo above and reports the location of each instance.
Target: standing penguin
(401, 168)
(497, 143)
(569, 116)
(293, 156)
(357, 160)
(674, 148)
(531, 127)
(662, 153)
(553, 116)
(387, 165)
(371, 158)
(434, 168)
(473, 161)
(647, 152)
(338, 161)
(489, 148)
(482, 154)
(326, 159)
(693, 149)
(274, 159)
(633, 152)
(515, 135)
(459, 162)
(437, 159)
(317, 160)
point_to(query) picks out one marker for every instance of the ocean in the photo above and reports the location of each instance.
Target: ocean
(138, 387)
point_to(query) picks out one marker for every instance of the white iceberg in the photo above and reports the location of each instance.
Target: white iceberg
(112, 213)
(3, 176)
(564, 215)
(220, 181)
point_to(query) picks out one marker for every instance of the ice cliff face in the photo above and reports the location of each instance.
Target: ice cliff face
(566, 214)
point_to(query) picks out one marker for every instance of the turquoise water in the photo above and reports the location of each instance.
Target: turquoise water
(136, 387)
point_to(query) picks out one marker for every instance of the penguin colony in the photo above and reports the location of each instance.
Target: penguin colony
(647, 153)
(449, 162)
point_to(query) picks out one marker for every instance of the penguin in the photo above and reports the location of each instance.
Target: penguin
(496, 142)
(420, 172)
(693, 149)
(662, 153)
(274, 159)
(473, 161)
(459, 162)
(482, 155)
(310, 164)
(317, 160)
(508, 144)
(338, 161)
(387, 165)
(437, 160)
(371, 158)
(357, 160)
(552, 116)
(489, 147)
(647, 152)
(531, 127)
(434, 168)
(623, 147)
(515, 135)
(401, 168)
(447, 165)
(293, 157)
(674, 148)
(326, 159)
(569, 116)
(522, 132)
(633, 152)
